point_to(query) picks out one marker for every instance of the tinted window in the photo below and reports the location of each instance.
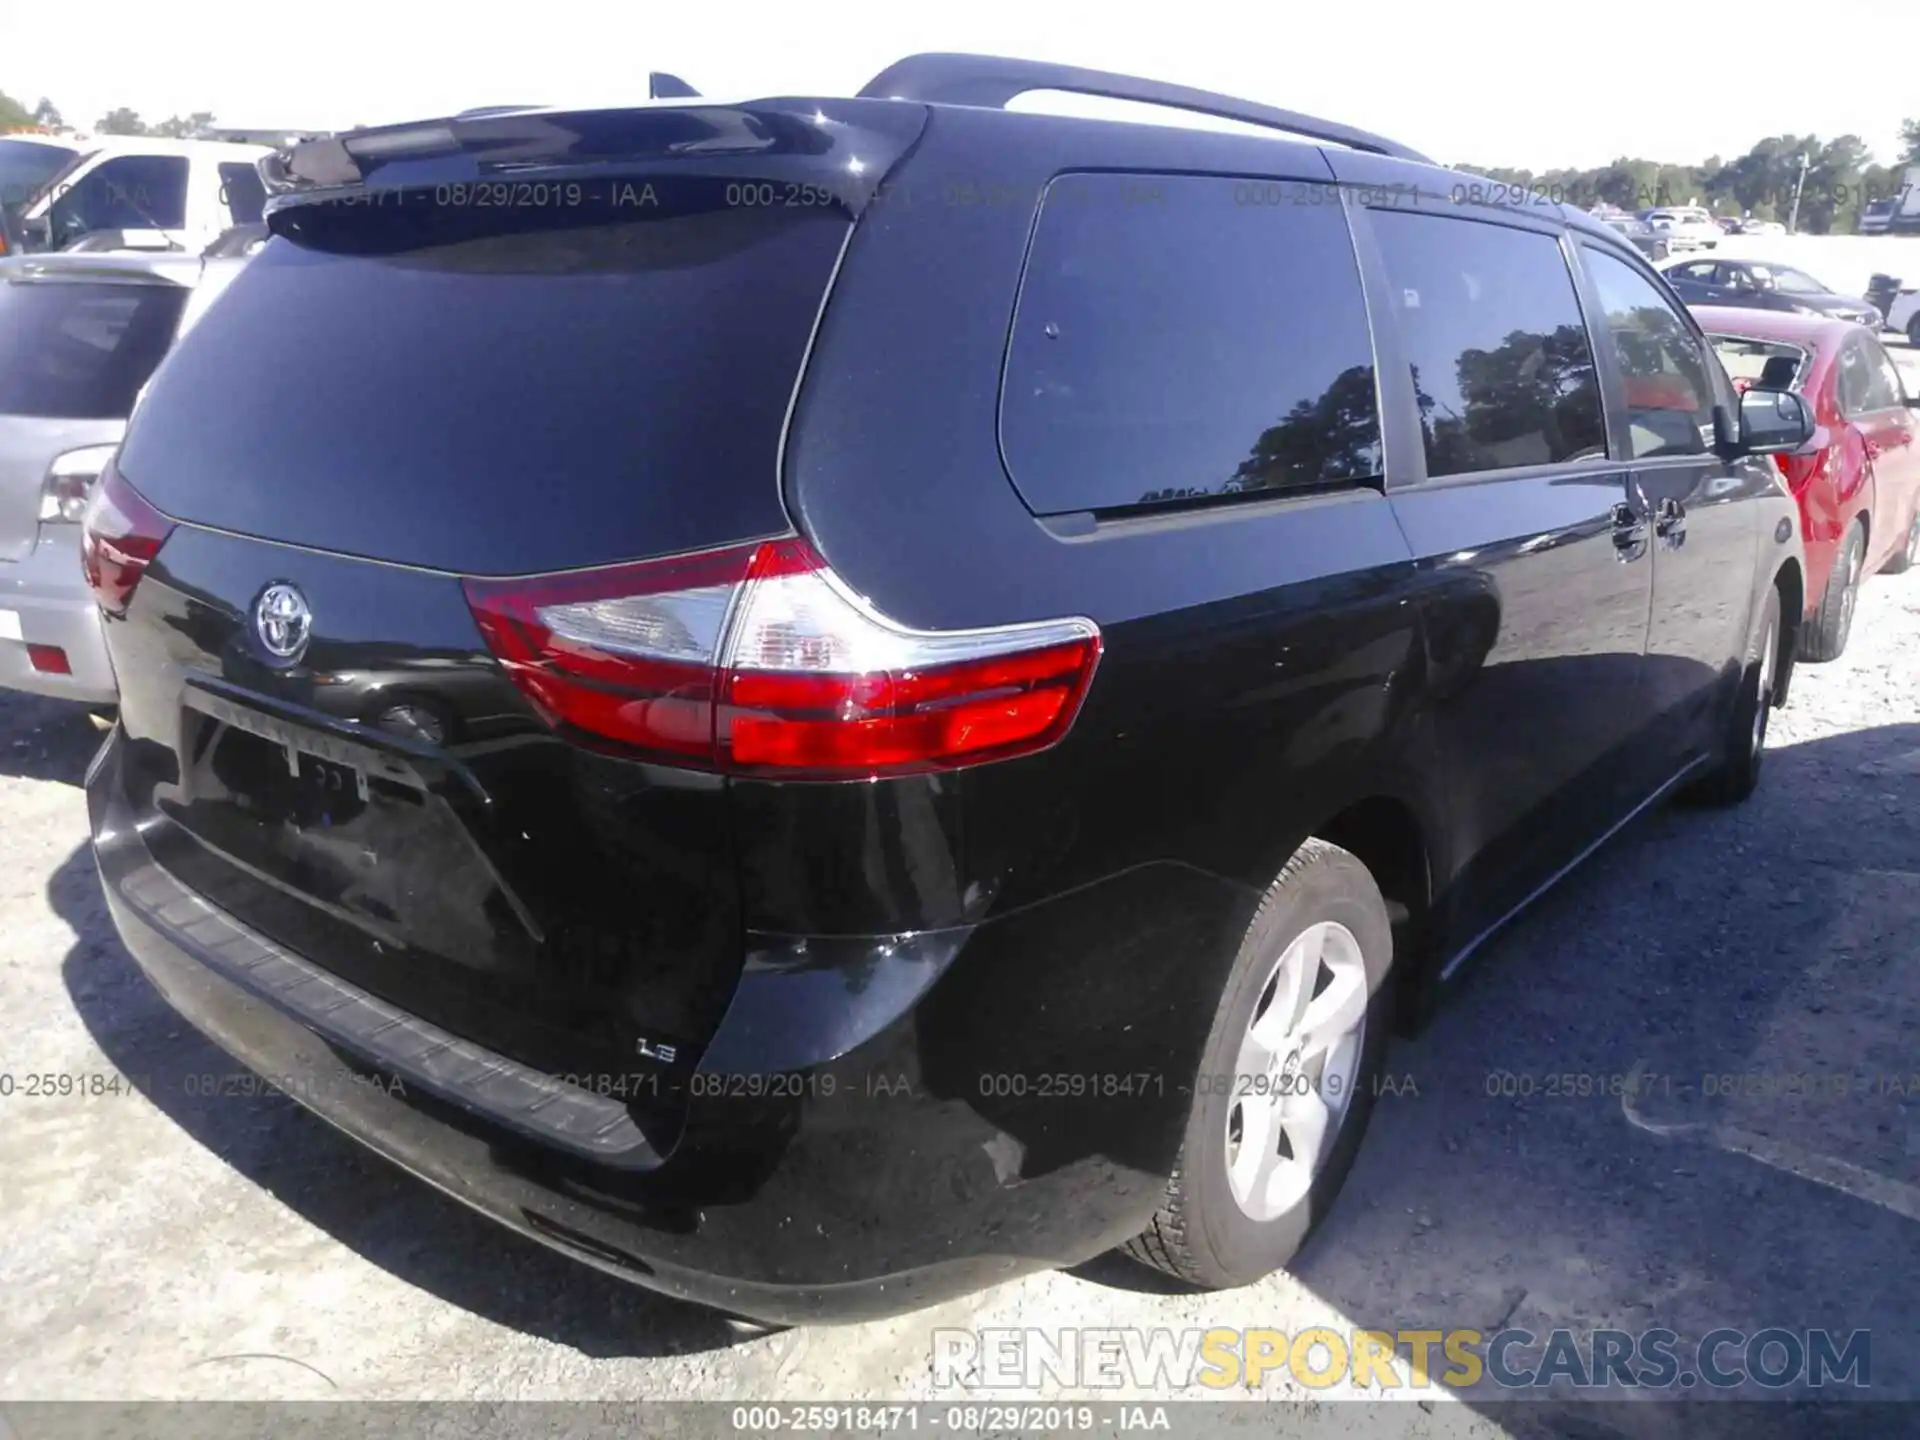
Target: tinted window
(81, 351)
(1174, 342)
(1663, 367)
(241, 192)
(129, 192)
(1700, 272)
(1501, 362)
(412, 384)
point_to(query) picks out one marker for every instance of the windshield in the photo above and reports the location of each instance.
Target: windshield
(25, 168)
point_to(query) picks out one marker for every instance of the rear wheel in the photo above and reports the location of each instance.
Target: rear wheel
(1908, 555)
(1287, 1082)
(1913, 331)
(1737, 770)
(1825, 636)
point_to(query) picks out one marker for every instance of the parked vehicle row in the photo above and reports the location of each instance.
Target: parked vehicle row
(1762, 285)
(827, 806)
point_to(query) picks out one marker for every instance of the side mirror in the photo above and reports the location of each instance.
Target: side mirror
(1774, 422)
(36, 233)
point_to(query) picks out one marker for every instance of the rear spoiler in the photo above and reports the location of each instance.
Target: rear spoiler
(846, 145)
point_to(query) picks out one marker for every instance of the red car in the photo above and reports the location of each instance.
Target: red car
(1858, 482)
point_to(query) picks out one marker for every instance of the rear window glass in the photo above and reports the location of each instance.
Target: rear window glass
(1502, 367)
(1748, 362)
(496, 390)
(78, 351)
(1175, 343)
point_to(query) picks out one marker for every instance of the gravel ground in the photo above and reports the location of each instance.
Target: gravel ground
(160, 1245)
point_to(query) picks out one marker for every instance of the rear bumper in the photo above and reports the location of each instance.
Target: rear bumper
(897, 1175)
(45, 593)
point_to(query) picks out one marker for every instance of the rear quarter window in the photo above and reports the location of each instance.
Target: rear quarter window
(80, 351)
(1176, 344)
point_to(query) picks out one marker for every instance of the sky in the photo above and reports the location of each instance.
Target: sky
(1471, 81)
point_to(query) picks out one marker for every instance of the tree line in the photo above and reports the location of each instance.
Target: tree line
(122, 121)
(1835, 180)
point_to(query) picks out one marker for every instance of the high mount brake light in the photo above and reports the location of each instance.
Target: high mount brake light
(757, 659)
(119, 536)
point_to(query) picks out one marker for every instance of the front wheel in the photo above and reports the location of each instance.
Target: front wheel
(1288, 1078)
(1824, 637)
(1736, 770)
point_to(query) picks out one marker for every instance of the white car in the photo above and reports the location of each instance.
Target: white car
(135, 192)
(1903, 314)
(1685, 222)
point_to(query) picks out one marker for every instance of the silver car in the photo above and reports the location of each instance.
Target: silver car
(80, 334)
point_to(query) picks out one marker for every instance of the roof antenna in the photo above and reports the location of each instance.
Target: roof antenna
(662, 86)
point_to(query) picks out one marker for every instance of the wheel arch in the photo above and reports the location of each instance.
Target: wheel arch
(1791, 586)
(1395, 837)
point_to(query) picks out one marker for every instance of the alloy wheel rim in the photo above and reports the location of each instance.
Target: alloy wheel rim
(1296, 1069)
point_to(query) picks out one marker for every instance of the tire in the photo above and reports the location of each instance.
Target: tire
(1913, 330)
(1218, 1232)
(1736, 770)
(1825, 636)
(1908, 555)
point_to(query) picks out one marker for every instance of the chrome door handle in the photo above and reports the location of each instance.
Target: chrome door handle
(1670, 520)
(1629, 533)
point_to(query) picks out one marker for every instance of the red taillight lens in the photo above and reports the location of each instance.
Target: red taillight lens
(49, 660)
(757, 659)
(119, 536)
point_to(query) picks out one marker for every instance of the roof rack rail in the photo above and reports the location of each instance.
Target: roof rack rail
(662, 86)
(953, 79)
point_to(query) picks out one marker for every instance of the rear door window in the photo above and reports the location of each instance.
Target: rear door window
(1863, 381)
(1502, 368)
(1663, 367)
(81, 351)
(1176, 343)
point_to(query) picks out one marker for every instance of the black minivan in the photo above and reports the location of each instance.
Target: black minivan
(824, 702)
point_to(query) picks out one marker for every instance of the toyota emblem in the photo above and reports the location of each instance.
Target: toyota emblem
(282, 621)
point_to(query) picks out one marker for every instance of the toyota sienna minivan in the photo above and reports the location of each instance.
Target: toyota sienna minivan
(823, 702)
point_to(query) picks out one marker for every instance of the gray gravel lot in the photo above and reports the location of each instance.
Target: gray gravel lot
(161, 1245)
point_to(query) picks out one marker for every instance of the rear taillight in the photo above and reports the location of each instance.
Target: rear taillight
(119, 537)
(759, 660)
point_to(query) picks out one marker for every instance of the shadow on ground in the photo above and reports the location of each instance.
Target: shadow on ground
(43, 739)
(1759, 971)
(1777, 945)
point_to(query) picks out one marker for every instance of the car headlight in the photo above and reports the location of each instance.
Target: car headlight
(70, 480)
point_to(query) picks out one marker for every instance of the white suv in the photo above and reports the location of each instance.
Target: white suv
(145, 193)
